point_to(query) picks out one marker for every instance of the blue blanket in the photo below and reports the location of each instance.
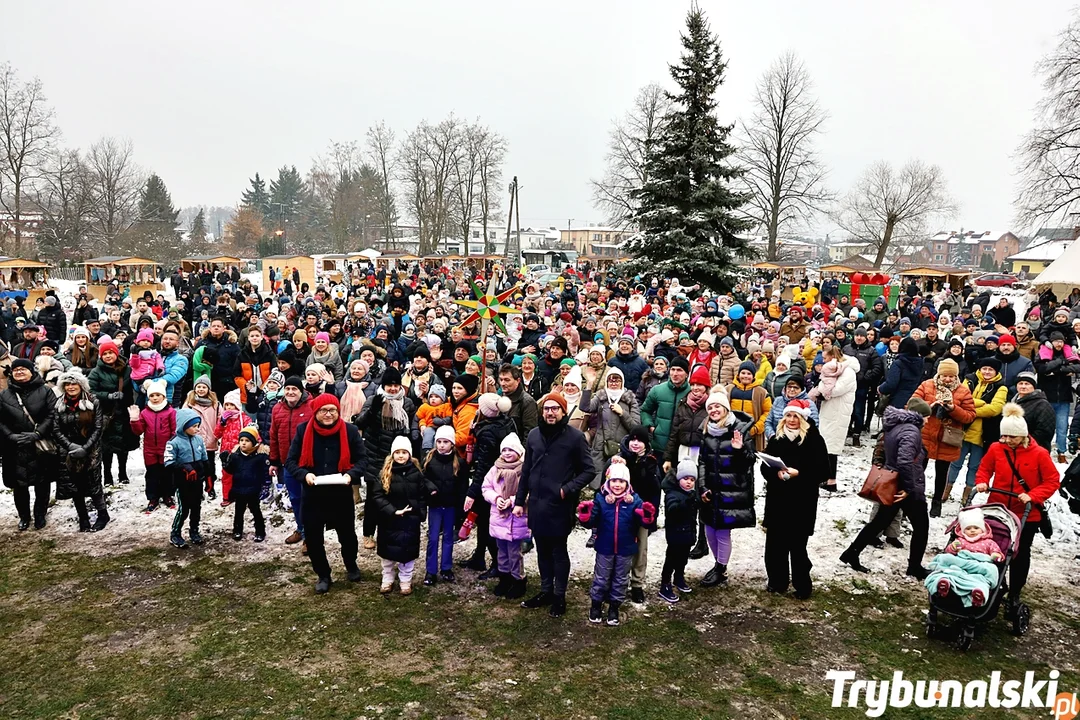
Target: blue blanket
(966, 571)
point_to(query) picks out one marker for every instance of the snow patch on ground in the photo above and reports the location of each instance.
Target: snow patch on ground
(840, 517)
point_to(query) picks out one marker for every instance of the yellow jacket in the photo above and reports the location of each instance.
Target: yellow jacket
(985, 407)
(762, 372)
(755, 402)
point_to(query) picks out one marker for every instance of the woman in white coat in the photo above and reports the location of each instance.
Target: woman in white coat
(836, 390)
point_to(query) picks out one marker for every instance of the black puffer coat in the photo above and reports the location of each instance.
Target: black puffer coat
(685, 430)
(399, 535)
(24, 466)
(489, 434)
(727, 475)
(377, 439)
(645, 475)
(680, 512)
(117, 436)
(792, 504)
(449, 485)
(78, 428)
(54, 320)
(1040, 417)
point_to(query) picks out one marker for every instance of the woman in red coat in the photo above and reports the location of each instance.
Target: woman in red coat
(951, 409)
(1018, 465)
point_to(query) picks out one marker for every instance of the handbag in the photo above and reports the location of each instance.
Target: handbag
(952, 435)
(881, 485)
(42, 445)
(1046, 526)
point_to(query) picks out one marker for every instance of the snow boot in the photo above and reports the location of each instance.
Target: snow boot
(558, 606)
(539, 600)
(715, 577)
(517, 589)
(1074, 444)
(668, 593)
(613, 614)
(966, 496)
(503, 586)
(701, 549)
(596, 612)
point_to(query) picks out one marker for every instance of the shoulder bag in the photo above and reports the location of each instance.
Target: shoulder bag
(881, 485)
(42, 445)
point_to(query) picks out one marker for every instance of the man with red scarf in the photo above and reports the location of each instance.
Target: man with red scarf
(327, 445)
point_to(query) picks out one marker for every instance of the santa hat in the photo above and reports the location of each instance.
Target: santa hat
(700, 376)
(512, 442)
(401, 443)
(159, 386)
(799, 407)
(492, 404)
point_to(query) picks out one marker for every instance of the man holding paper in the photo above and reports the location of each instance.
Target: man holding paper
(328, 454)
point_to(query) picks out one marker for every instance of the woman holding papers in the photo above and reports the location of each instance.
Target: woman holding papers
(799, 463)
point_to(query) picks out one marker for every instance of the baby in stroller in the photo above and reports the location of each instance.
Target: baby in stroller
(967, 567)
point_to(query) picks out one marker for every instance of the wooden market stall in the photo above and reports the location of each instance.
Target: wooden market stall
(931, 278)
(23, 278)
(286, 264)
(134, 273)
(788, 273)
(216, 263)
(332, 268)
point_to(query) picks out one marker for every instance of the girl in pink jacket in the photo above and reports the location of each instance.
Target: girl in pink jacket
(157, 424)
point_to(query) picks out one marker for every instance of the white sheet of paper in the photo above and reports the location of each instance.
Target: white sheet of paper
(772, 461)
(336, 479)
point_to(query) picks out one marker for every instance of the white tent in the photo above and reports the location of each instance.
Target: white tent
(1063, 274)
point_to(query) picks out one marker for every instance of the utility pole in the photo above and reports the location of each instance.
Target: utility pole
(512, 252)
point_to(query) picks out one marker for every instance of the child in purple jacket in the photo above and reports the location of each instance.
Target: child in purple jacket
(500, 488)
(617, 514)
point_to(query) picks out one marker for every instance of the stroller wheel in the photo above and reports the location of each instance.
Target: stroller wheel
(1021, 620)
(964, 639)
(933, 630)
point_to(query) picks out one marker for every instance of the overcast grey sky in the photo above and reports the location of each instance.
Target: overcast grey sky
(194, 84)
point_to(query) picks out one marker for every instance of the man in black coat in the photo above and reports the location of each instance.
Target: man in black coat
(871, 373)
(223, 342)
(557, 466)
(53, 319)
(318, 450)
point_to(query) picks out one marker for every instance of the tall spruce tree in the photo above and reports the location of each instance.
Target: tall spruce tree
(197, 234)
(286, 196)
(155, 234)
(256, 197)
(687, 216)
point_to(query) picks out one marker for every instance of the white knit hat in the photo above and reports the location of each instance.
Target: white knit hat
(401, 443)
(491, 404)
(618, 471)
(159, 386)
(446, 432)
(971, 517)
(511, 441)
(686, 468)
(1013, 422)
(718, 397)
(573, 377)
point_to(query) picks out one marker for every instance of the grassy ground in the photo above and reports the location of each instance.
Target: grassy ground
(139, 635)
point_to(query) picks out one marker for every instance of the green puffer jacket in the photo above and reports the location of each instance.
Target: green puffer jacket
(658, 411)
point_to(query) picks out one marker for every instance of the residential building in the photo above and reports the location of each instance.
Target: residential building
(1032, 261)
(968, 248)
(786, 249)
(596, 241)
(842, 250)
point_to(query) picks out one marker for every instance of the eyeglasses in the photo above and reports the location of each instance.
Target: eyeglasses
(552, 408)
(327, 411)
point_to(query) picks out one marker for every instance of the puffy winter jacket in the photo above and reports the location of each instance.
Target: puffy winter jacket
(904, 451)
(1012, 365)
(1034, 465)
(23, 465)
(504, 525)
(1058, 370)
(285, 422)
(963, 412)
(1040, 417)
(658, 411)
(176, 367)
(489, 434)
(616, 523)
(253, 365)
(633, 366)
(871, 368)
(902, 380)
(377, 439)
(157, 429)
(399, 535)
(250, 473)
(726, 477)
(989, 399)
(680, 512)
(186, 451)
(449, 485)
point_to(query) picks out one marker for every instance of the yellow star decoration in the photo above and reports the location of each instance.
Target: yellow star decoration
(488, 307)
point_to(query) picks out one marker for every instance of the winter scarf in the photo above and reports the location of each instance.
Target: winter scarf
(695, 402)
(307, 451)
(944, 394)
(157, 407)
(353, 399)
(510, 472)
(393, 410)
(718, 429)
(614, 396)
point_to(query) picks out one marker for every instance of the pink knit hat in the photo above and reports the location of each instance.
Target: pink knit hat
(492, 404)
(145, 334)
(325, 336)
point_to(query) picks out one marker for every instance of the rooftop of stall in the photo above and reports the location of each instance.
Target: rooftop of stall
(193, 263)
(97, 289)
(955, 278)
(304, 263)
(17, 265)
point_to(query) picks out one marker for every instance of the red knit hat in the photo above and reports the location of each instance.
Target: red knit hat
(700, 376)
(1007, 339)
(106, 344)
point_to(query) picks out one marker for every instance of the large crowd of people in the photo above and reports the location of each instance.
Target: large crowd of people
(630, 405)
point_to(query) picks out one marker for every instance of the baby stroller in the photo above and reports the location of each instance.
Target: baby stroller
(1005, 528)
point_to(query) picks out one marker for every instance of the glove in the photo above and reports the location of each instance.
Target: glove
(647, 513)
(584, 510)
(115, 395)
(77, 454)
(26, 438)
(224, 456)
(191, 476)
(133, 413)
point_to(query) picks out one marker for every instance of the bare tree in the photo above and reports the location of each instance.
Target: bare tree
(492, 149)
(466, 180)
(784, 176)
(887, 206)
(625, 171)
(1050, 154)
(427, 163)
(115, 182)
(28, 135)
(380, 147)
(64, 198)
